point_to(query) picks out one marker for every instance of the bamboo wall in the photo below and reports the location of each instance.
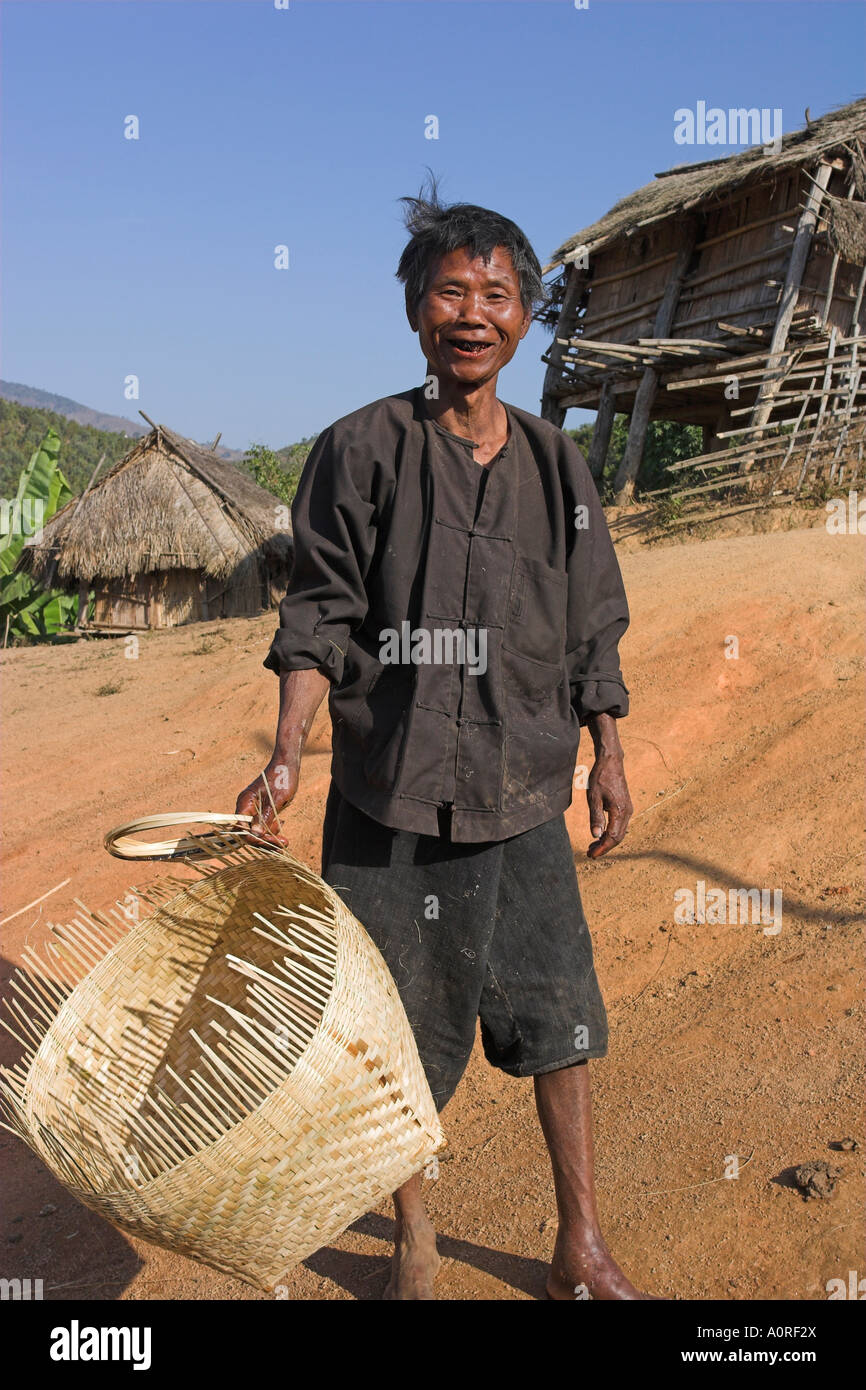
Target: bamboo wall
(170, 598)
(745, 241)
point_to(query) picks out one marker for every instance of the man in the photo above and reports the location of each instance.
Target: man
(456, 594)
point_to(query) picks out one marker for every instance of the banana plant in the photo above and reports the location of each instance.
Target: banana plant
(26, 610)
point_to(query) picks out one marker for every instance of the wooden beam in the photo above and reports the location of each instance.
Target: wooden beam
(633, 456)
(89, 485)
(640, 269)
(720, 271)
(616, 349)
(828, 376)
(793, 279)
(747, 227)
(623, 313)
(83, 604)
(858, 304)
(834, 266)
(723, 418)
(601, 434)
(588, 397)
(731, 313)
(552, 408)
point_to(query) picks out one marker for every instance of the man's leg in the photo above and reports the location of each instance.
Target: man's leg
(582, 1265)
(542, 1015)
(390, 879)
(415, 1263)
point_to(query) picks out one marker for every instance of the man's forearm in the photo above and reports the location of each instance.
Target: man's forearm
(301, 693)
(605, 735)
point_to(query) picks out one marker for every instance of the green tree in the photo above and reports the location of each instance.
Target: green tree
(28, 612)
(280, 471)
(667, 442)
(22, 429)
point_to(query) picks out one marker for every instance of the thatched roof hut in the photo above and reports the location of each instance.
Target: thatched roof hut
(708, 265)
(172, 534)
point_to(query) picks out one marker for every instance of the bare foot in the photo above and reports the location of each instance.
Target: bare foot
(582, 1268)
(414, 1265)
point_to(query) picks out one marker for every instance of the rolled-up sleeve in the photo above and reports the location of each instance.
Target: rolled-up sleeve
(597, 606)
(334, 535)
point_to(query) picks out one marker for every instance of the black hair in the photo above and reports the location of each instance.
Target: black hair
(437, 228)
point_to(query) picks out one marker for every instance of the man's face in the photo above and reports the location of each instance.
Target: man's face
(470, 318)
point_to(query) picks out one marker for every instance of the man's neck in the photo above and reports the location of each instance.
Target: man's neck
(475, 415)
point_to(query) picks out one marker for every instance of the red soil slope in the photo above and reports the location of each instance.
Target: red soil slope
(726, 1040)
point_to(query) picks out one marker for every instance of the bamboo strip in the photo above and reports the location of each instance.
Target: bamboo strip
(178, 1124)
(28, 1046)
(24, 1021)
(229, 1114)
(259, 1039)
(314, 941)
(282, 1021)
(214, 1064)
(253, 971)
(38, 968)
(233, 1048)
(71, 945)
(25, 986)
(206, 1115)
(250, 1097)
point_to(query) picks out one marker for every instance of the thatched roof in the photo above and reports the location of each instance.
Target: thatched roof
(168, 504)
(679, 189)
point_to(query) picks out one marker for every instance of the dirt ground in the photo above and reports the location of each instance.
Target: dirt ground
(726, 1040)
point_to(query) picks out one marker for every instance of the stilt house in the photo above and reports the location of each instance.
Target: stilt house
(726, 294)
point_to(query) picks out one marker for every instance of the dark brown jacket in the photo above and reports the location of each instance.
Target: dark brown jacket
(385, 533)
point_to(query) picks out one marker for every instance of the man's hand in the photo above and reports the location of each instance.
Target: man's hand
(264, 798)
(607, 790)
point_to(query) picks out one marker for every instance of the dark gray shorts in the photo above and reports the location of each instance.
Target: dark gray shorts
(493, 929)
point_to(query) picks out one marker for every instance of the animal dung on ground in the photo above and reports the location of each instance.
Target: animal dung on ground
(816, 1180)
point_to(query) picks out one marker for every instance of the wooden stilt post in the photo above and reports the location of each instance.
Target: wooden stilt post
(800, 248)
(722, 421)
(645, 395)
(601, 434)
(854, 326)
(83, 604)
(828, 377)
(550, 407)
(834, 267)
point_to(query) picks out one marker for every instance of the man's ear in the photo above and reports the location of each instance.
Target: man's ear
(413, 318)
(527, 320)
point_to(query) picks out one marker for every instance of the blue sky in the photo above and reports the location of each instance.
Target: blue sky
(259, 127)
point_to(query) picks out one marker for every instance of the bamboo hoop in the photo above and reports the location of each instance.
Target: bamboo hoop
(123, 844)
(233, 1076)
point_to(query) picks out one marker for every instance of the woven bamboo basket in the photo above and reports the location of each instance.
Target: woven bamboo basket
(232, 1075)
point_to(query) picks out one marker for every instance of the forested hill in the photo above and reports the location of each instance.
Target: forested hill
(38, 399)
(23, 427)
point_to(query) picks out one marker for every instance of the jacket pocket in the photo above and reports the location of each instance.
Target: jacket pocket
(533, 642)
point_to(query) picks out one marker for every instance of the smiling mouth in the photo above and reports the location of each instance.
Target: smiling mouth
(468, 348)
